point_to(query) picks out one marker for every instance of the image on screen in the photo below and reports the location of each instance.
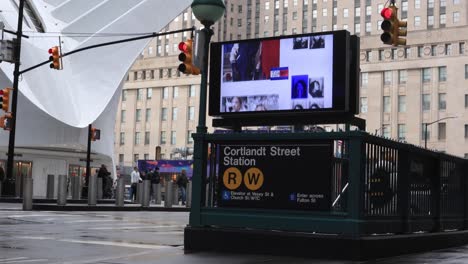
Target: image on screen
(293, 73)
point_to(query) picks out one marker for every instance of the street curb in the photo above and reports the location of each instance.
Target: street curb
(73, 207)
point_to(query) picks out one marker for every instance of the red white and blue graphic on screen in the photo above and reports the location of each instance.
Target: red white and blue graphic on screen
(281, 73)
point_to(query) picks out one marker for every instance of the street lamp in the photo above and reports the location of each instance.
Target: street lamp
(428, 124)
(207, 12)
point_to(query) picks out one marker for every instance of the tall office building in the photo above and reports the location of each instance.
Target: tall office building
(402, 88)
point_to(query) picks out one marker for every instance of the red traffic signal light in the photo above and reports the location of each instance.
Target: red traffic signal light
(185, 57)
(392, 27)
(386, 13)
(55, 58)
(5, 121)
(5, 99)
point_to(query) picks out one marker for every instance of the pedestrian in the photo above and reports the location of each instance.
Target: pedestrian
(104, 174)
(182, 183)
(155, 179)
(134, 180)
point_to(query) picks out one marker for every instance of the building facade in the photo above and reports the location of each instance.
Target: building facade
(402, 88)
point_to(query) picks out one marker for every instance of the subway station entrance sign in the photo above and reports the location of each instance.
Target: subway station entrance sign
(276, 176)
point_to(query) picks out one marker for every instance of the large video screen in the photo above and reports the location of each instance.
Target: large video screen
(300, 73)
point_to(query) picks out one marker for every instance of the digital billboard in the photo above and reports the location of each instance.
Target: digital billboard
(299, 73)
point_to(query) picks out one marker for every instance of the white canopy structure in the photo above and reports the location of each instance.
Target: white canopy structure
(56, 107)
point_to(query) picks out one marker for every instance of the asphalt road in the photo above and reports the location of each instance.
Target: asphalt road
(133, 237)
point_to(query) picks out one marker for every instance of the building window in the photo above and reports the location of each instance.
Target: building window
(136, 157)
(368, 27)
(277, 4)
(314, 13)
(430, 3)
(448, 49)
(175, 92)
(430, 21)
(192, 91)
(163, 138)
(138, 115)
(426, 75)
(149, 93)
(407, 52)
(137, 138)
(402, 76)
(443, 3)
(417, 21)
(122, 138)
(386, 104)
(401, 132)
(442, 74)
(121, 158)
(417, 4)
(425, 132)
(381, 55)
(466, 100)
(420, 51)
(345, 12)
(386, 131)
(267, 5)
(442, 101)
(456, 17)
(442, 132)
(165, 92)
(357, 28)
(433, 50)
(191, 113)
(146, 156)
(394, 54)
(122, 116)
(335, 11)
(324, 12)
(426, 102)
(164, 114)
(173, 137)
(364, 79)
(466, 71)
(147, 138)
(443, 18)
(189, 137)
(294, 16)
(148, 115)
(174, 113)
(404, 6)
(357, 12)
(124, 95)
(402, 103)
(368, 55)
(363, 108)
(368, 10)
(387, 77)
(461, 47)
(466, 131)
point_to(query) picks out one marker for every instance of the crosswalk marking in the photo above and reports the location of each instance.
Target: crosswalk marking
(21, 260)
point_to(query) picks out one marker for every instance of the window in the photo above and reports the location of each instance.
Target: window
(443, 3)
(149, 93)
(363, 104)
(314, 13)
(175, 92)
(466, 100)
(402, 103)
(417, 4)
(430, 20)
(146, 156)
(136, 157)
(324, 12)
(345, 26)
(124, 95)
(122, 116)
(456, 17)
(442, 131)
(386, 104)
(443, 18)
(147, 138)
(368, 10)
(294, 16)
(364, 79)
(357, 28)
(138, 115)
(163, 137)
(345, 12)
(173, 137)
(189, 137)
(466, 71)
(402, 76)
(386, 131)
(420, 51)
(239, 9)
(368, 55)
(466, 131)
(165, 92)
(357, 12)
(276, 4)
(442, 74)
(404, 6)
(122, 138)
(324, 28)
(426, 74)
(335, 11)
(174, 113)
(239, 22)
(266, 19)
(368, 27)
(401, 132)
(442, 101)
(387, 77)
(426, 102)
(267, 5)
(417, 21)
(430, 3)
(285, 3)
(456, 2)
(137, 138)
(381, 55)
(433, 50)
(448, 49)
(425, 132)
(164, 114)
(148, 115)
(394, 54)
(121, 158)
(192, 91)
(379, 24)
(407, 52)
(191, 113)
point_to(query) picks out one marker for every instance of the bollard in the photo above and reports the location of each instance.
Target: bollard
(50, 186)
(175, 192)
(1, 188)
(119, 192)
(157, 193)
(188, 201)
(75, 187)
(168, 195)
(139, 194)
(146, 193)
(99, 188)
(18, 184)
(92, 190)
(62, 190)
(27, 194)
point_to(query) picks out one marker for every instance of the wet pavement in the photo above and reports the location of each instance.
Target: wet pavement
(134, 237)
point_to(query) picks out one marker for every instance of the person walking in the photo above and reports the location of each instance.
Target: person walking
(182, 183)
(155, 179)
(134, 180)
(106, 182)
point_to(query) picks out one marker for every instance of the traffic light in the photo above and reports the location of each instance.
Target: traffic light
(55, 58)
(392, 27)
(5, 121)
(95, 134)
(185, 57)
(5, 99)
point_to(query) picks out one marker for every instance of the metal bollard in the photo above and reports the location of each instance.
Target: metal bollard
(50, 186)
(27, 194)
(119, 192)
(92, 190)
(99, 188)
(168, 195)
(139, 194)
(189, 194)
(62, 190)
(75, 187)
(175, 199)
(146, 193)
(18, 184)
(157, 193)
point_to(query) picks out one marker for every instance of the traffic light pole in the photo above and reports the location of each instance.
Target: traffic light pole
(14, 101)
(88, 157)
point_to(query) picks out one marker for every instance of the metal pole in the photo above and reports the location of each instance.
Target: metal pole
(92, 184)
(14, 102)
(50, 186)
(189, 194)
(168, 194)
(146, 193)
(157, 193)
(425, 135)
(27, 194)
(99, 188)
(88, 156)
(62, 190)
(119, 199)
(75, 187)
(139, 194)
